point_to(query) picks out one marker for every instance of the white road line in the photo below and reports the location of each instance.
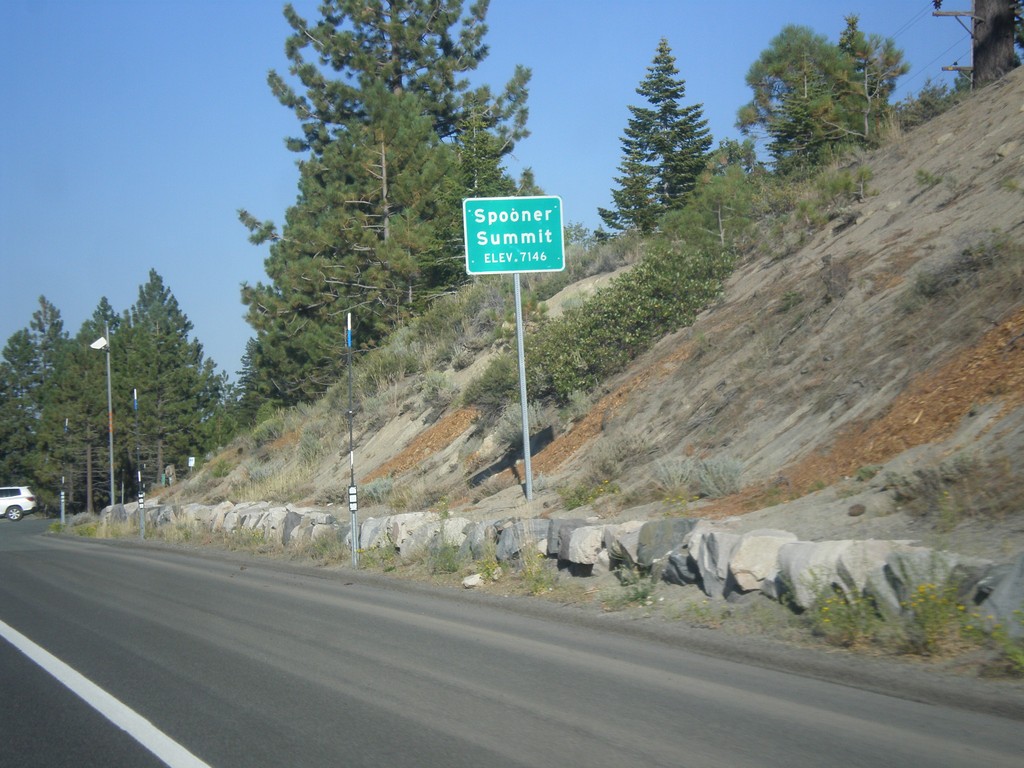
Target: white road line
(138, 727)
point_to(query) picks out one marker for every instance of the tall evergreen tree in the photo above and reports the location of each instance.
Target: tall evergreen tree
(50, 342)
(178, 388)
(28, 375)
(665, 148)
(810, 94)
(877, 64)
(371, 230)
(17, 409)
(74, 423)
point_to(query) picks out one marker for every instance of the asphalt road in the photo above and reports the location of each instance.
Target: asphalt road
(244, 663)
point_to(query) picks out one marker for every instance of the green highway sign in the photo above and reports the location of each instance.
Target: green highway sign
(513, 234)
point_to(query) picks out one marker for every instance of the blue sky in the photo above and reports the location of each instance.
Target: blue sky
(133, 130)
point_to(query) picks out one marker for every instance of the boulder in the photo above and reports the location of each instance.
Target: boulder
(585, 544)
(711, 551)
(117, 513)
(373, 533)
(303, 534)
(659, 537)
(452, 531)
(230, 521)
(680, 568)
(806, 570)
(320, 518)
(522, 536)
(199, 512)
(421, 537)
(755, 557)
(275, 525)
(159, 515)
(908, 569)
(433, 535)
(250, 519)
(861, 571)
(602, 565)
(479, 536)
(402, 527)
(559, 532)
(331, 530)
(1005, 602)
(219, 513)
(622, 542)
(474, 580)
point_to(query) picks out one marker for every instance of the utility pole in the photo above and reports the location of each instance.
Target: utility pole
(991, 31)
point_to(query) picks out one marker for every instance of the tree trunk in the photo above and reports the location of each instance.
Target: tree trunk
(88, 479)
(993, 40)
(159, 460)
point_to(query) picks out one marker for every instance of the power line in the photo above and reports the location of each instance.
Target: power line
(911, 22)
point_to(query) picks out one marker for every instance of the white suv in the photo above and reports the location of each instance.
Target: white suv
(15, 501)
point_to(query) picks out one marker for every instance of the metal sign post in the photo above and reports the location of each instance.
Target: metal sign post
(523, 408)
(512, 235)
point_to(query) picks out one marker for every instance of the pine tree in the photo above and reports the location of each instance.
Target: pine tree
(17, 410)
(636, 205)
(665, 147)
(877, 63)
(178, 389)
(74, 423)
(810, 95)
(28, 375)
(372, 231)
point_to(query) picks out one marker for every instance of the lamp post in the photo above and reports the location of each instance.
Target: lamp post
(103, 342)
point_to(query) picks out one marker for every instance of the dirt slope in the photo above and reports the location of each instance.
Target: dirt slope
(884, 332)
(867, 372)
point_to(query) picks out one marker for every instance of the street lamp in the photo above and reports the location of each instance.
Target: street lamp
(103, 342)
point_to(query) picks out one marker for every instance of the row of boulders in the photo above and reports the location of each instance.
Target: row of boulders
(681, 551)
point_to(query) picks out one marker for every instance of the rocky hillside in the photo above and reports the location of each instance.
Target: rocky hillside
(859, 378)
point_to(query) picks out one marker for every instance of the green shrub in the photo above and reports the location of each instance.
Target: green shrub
(387, 366)
(660, 295)
(312, 446)
(378, 491)
(927, 179)
(88, 530)
(437, 389)
(327, 550)
(445, 557)
(638, 589)
(694, 477)
(581, 494)
(269, 429)
(789, 300)
(719, 476)
(536, 573)
(493, 389)
(850, 621)
(867, 472)
(935, 619)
